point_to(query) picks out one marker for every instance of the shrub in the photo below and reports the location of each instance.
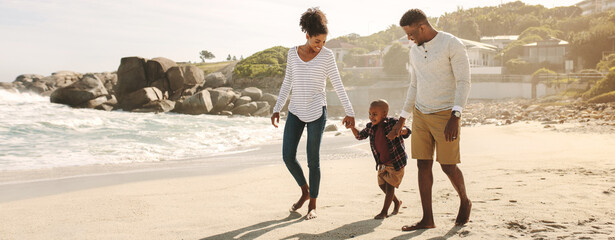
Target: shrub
(605, 85)
(603, 98)
(267, 63)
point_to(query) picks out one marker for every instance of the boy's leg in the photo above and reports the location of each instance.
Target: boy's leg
(425, 184)
(397, 203)
(292, 134)
(315, 131)
(454, 174)
(388, 198)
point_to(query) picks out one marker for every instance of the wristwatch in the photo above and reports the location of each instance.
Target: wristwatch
(457, 114)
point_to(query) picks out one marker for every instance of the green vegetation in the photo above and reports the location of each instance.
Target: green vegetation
(588, 35)
(607, 84)
(212, 67)
(267, 63)
(396, 59)
(603, 98)
(204, 54)
(607, 63)
(376, 41)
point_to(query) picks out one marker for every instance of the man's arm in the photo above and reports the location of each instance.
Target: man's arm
(461, 71)
(408, 104)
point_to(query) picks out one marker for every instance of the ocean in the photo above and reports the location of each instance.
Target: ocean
(37, 134)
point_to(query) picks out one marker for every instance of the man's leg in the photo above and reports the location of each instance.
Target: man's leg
(454, 174)
(425, 184)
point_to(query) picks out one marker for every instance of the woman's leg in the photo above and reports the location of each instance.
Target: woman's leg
(292, 134)
(315, 131)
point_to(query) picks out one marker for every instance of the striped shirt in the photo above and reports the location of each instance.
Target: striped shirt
(307, 80)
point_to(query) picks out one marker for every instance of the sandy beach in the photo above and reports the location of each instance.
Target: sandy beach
(525, 181)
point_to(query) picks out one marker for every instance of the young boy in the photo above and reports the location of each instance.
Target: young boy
(390, 155)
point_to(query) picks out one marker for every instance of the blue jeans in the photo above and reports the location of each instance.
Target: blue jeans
(292, 134)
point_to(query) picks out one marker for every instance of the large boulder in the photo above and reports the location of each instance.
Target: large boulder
(243, 100)
(220, 98)
(130, 76)
(199, 103)
(156, 69)
(176, 79)
(247, 109)
(215, 80)
(193, 76)
(270, 98)
(80, 93)
(264, 109)
(140, 97)
(254, 93)
(157, 106)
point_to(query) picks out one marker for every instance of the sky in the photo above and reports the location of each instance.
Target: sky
(42, 37)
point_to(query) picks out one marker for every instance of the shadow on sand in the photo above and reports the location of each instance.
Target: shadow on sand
(347, 231)
(417, 233)
(256, 230)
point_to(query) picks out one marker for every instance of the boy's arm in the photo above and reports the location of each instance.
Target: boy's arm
(360, 135)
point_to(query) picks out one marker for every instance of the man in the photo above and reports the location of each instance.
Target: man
(439, 89)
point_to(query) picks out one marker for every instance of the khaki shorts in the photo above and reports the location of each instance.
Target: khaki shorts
(428, 134)
(389, 175)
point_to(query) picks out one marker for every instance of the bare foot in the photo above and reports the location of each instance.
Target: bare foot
(299, 203)
(311, 215)
(396, 208)
(420, 225)
(381, 216)
(464, 213)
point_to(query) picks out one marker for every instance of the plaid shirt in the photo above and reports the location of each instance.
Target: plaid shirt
(396, 146)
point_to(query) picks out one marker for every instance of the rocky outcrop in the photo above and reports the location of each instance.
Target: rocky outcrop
(87, 92)
(144, 85)
(139, 98)
(200, 103)
(215, 80)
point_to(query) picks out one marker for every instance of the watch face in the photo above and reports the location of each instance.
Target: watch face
(457, 113)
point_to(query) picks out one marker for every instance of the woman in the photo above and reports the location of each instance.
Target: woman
(307, 69)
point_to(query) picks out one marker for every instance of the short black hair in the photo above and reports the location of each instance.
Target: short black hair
(380, 103)
(314, 22)
(412, 17)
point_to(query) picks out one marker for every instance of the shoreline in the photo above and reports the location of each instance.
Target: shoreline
(524, 181)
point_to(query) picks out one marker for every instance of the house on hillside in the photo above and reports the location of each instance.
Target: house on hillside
(500, 41)
(552, 52)
(339, 48)
(595, 6)
(481, 55)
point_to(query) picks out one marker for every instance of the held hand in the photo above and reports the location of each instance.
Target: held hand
(275, 117)
(451, 131)
(396, 130)
(348, 122)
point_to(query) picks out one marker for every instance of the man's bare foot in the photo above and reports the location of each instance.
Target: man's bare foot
(464, 213)
(396, 208)
(420, 225)
(299, 203)
(311, 215)
(381, 216)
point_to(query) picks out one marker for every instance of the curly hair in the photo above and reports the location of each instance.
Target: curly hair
(412, 16)
(314, 22)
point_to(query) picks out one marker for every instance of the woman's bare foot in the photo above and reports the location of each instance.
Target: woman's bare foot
(299, 203)
(381, 216)
(396, 207)
(420, 225)
(464, 213)
(311, 215)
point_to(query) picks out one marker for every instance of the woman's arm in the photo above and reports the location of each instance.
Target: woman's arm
(334, 76)
(284, 90)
